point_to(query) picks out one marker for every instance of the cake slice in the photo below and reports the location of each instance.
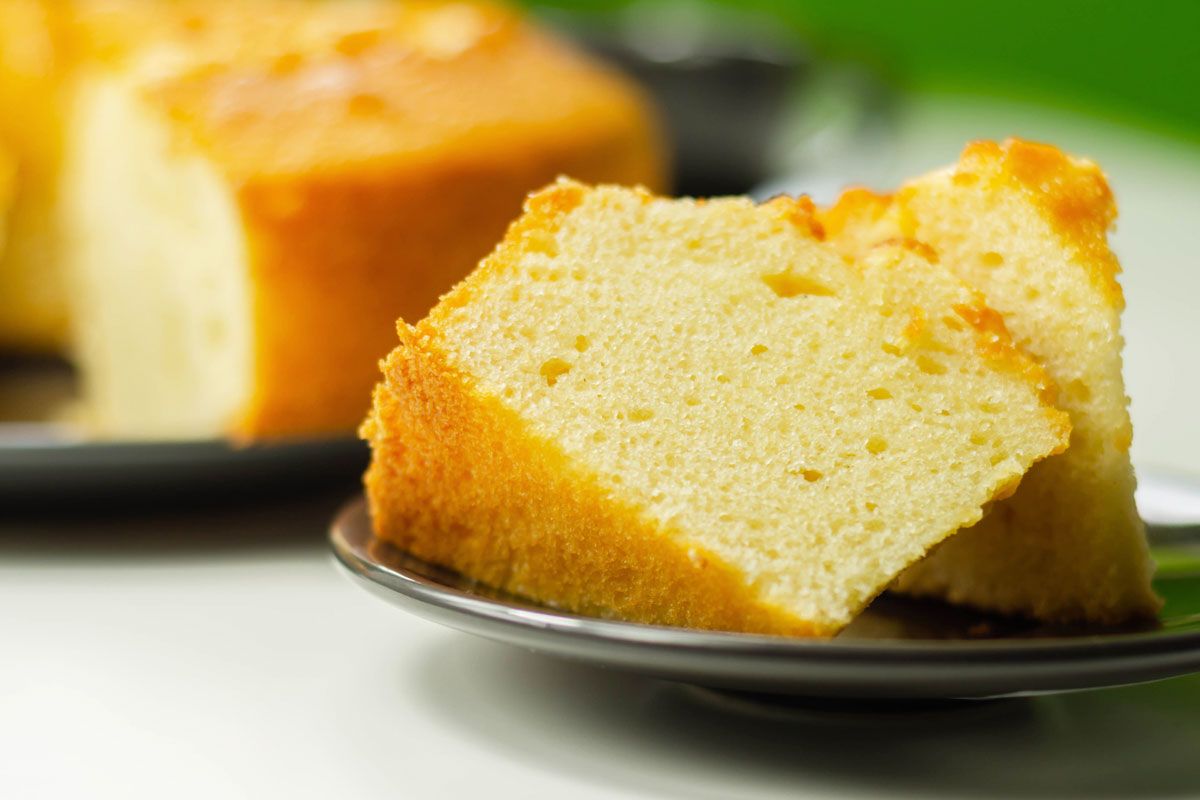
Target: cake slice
(696, 413)
(8, 177)
(1027, 225)
(253, 192)
(33, 301)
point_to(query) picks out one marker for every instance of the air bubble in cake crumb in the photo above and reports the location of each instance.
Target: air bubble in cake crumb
(789, 284)
(930, 366)
(554, 368)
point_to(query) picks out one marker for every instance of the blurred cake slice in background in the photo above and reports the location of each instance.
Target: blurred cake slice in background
(699, 414)
(252, 193)
(33, 301)
(1027, 225)
(8, 179)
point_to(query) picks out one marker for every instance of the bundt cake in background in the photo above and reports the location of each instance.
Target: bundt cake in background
(1027, 225)
(247, 195)
(699, 414)
(8, 177)
(33, 301)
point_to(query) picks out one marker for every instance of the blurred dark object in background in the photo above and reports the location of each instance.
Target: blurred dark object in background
(48, 465)
(1128, 62)
(722, 80)
(742, 98)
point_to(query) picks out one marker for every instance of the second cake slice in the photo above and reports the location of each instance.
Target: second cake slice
(699, 414)
(1027, 225)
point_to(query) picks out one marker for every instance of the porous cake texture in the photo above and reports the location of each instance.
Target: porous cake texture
(697, 413)
(1027, 225)
(251, 193)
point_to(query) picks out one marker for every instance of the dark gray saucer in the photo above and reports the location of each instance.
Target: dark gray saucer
(47, 460)
(899, 649)
(37, 467)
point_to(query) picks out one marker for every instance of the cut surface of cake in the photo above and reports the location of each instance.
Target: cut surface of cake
(253, 192)
(1027, 225)
(698, 414)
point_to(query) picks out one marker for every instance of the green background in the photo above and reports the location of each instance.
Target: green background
(1137, 62)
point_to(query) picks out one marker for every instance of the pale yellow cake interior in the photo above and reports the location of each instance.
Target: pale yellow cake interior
(1069, 546)
(165, 334)
(815, 424)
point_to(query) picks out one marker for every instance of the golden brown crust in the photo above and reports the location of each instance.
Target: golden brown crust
(33, 312)
(394, 101)
(458, 479)
(8, 176)
(799, 211)
(320, 238)
(1072, 194)
(855, 207)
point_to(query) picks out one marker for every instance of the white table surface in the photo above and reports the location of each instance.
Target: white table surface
(220, 654)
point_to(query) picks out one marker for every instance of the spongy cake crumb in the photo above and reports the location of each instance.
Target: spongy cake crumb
(757, 434)
(1027, 225)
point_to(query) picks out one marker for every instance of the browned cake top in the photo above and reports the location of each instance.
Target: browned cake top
(280, 92)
